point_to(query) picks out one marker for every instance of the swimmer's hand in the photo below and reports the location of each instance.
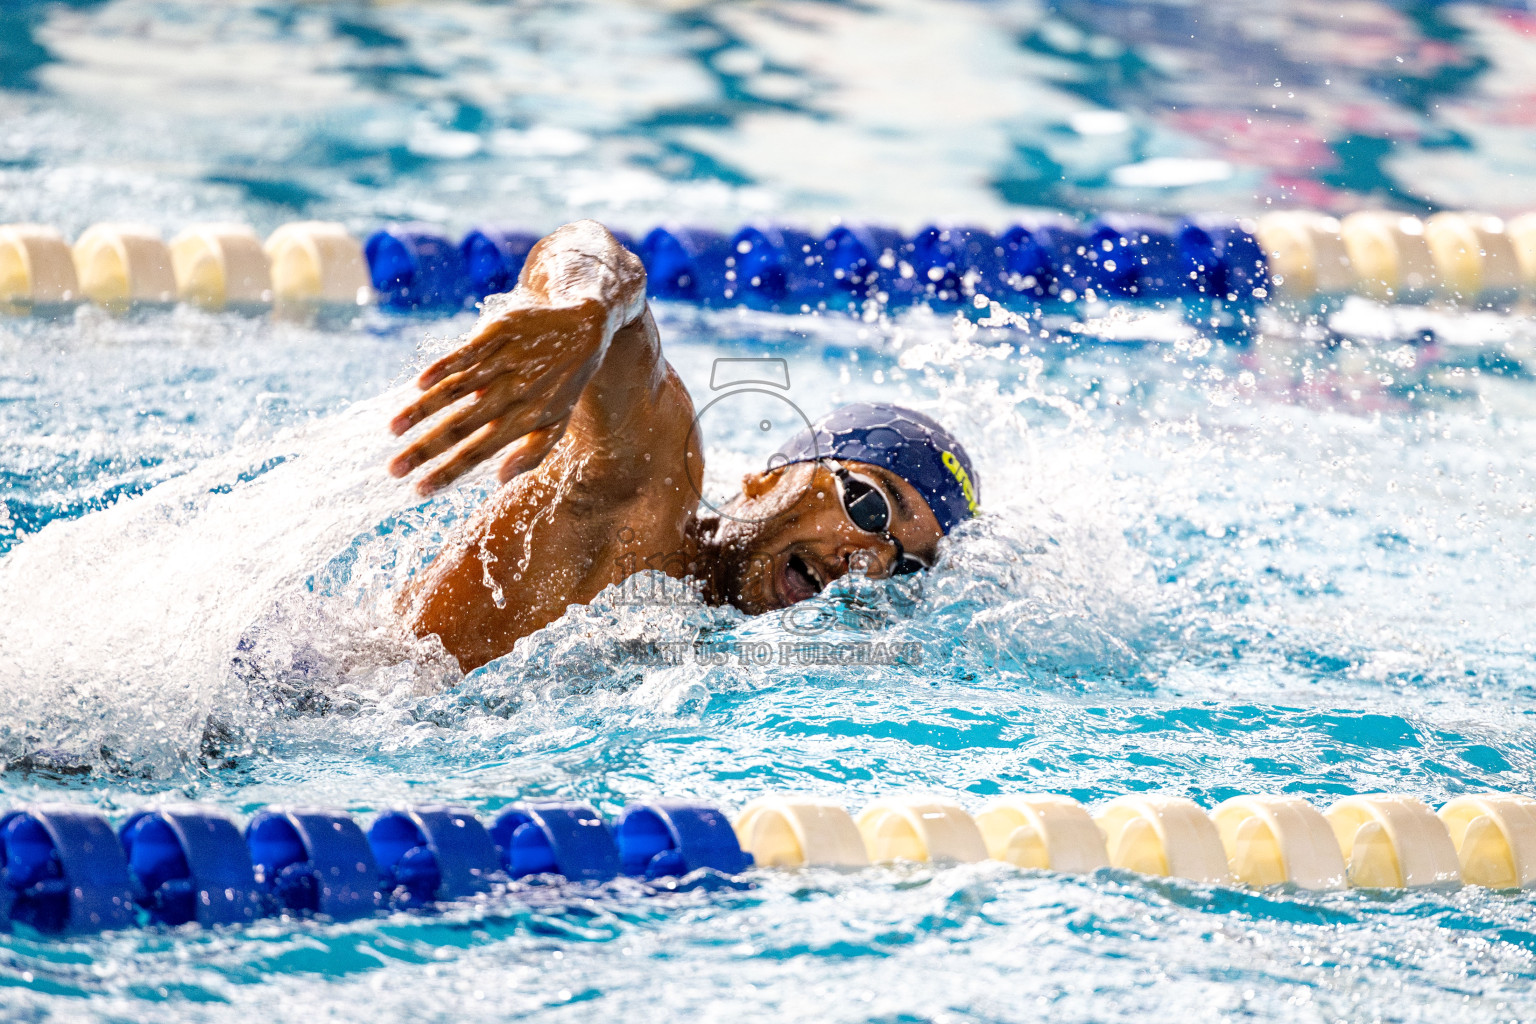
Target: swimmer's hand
(514, 382)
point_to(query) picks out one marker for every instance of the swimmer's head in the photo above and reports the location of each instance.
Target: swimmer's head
(872, 487)
(904, 442)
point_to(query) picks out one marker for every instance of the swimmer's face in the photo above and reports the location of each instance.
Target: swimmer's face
(787, 535)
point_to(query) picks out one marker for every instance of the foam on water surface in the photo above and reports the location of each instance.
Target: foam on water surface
(1297, 562)
(1204, 570)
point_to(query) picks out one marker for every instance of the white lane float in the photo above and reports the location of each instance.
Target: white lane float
(1388, 254)
(1275, 840)
(1392, 841)
(1043, 830)
(1163, 836)
(1522, 235)
(218, 265)
(119, 264)
(922, 829)
(1495, 839)
(793, 832)
(1306, 254)
(36, 267)
(318, 262)
(1474, 256)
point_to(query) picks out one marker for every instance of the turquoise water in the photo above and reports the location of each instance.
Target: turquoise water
(1300, 564)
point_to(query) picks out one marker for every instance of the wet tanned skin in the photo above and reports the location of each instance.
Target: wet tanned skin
(601, 469)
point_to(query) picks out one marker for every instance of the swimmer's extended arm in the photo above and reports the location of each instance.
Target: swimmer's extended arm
(605, 468)
(517, 379)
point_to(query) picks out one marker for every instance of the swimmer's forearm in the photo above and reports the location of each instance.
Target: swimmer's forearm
(582, 263)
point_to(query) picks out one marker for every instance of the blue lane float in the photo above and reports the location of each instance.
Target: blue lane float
(951, 264)
(772, 266)
(1051, 259)
(861, 260)
(566, 839)
(1137, 258)
(313, 860)
(415, 267)
(63, 870)
(1198, 252)
(1065, 249)
(493, 257)
(191, 864)
(434, 853)
(1244, 272)
(686, 264)
(1027, 269)
(672, 837)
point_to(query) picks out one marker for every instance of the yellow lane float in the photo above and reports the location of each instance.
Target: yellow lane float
(36, 267)
(784, 832)
(1495, 839)
(318, 262)
(1473, 255)
(920, 829)
(1043, 830)
(118, 264)
(1271, 840)
(1306, 253)
(1164, 836)
(1391, 841)
(1388, 254)
(220, 264)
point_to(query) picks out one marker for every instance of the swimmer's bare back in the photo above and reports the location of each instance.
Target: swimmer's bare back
(602, 467)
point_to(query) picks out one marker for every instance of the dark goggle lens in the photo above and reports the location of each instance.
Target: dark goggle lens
(866, 506)
(869, 510)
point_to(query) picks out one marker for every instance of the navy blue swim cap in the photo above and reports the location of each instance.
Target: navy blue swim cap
(907, 443)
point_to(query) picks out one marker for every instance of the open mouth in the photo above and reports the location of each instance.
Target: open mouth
(800, 579)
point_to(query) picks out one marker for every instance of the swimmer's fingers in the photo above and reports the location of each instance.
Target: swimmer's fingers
(503, 400)
(517, 328)
(530, 451)
(481, 445)
(451, 430)
(491, 337)
(506, 376)
(484, 443)
(443, 394)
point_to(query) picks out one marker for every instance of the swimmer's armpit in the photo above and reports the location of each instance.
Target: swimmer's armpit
(516, 380)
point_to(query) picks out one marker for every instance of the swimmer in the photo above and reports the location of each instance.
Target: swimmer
(601, 468)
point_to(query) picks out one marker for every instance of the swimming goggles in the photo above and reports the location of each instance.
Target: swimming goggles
(868, 509)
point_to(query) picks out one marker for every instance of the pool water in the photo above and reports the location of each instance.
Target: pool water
(1300, 561)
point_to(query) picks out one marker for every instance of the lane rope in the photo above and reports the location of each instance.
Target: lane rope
(64, 869)
(1050, 261)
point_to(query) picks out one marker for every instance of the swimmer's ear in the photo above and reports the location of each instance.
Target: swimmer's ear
(755, 485)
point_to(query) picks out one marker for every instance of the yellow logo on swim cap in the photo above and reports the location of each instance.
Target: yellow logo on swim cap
(962, 477)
